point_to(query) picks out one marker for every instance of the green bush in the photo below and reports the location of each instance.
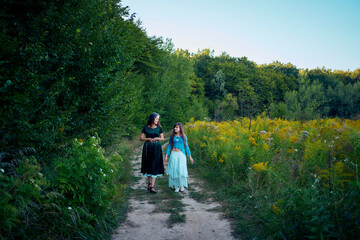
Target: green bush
(84, 175)
(81, 197)
(90, 185)
(21, 187)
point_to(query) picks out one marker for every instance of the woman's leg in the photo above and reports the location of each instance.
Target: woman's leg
(152, 189)
(149, 183)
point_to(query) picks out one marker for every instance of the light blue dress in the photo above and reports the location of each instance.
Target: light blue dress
(177, 168)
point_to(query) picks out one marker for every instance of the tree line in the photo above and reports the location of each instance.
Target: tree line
(237, 87)
(77, 68)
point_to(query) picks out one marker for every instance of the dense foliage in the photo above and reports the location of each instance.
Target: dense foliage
(82, 197)
(284, 179)
(70, 70)
(63, 75)
(238, 87)
(74, 72)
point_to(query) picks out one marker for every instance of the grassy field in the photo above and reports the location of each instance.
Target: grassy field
(283, 179)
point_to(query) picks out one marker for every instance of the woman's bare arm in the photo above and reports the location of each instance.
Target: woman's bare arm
(143, 137)
(161, 138)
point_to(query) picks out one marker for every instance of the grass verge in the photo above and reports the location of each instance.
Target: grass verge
(125, 148)
(168, 201)
(235, 203)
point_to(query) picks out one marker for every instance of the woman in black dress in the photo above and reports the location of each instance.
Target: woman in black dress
(152, 164)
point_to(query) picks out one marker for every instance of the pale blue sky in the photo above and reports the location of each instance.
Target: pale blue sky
(307, 33)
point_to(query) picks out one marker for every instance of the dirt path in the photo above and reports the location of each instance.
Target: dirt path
(154, 216)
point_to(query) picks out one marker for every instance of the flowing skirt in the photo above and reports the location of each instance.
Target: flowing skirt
(152, 164)
(177, 170)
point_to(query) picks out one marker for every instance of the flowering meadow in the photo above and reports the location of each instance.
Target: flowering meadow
(283, 179)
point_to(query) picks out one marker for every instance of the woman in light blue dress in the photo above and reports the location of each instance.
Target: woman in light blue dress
(178, 149)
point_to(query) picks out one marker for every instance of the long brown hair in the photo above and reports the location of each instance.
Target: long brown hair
(182, 133)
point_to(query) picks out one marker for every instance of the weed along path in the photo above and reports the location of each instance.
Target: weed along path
(191, 214)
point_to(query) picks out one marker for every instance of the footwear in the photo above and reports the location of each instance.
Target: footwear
(152, 190)
(182, 188)
(177, 189)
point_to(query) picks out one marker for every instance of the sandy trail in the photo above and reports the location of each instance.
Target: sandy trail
(143, 223)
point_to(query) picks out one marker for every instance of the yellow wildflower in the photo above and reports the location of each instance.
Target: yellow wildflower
(266, 147)
(275, 209)
(261, 166)
(203, 144)
(291, 150)
(282, 133)
(339, 167)
(325, 174)
(253, 142)
(267, 136)
(293, 139)
(237, 148)
(306, 154)
(223, 155)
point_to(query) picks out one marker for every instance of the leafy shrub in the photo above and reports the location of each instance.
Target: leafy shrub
(21, 186)
(90, 186)
(81, 198)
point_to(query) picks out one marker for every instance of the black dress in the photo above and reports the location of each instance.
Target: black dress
(152, 158)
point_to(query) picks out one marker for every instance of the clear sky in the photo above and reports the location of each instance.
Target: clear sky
(306, 33)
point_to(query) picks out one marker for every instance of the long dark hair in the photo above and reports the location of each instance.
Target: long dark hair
(152, 118)
(182, 133)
